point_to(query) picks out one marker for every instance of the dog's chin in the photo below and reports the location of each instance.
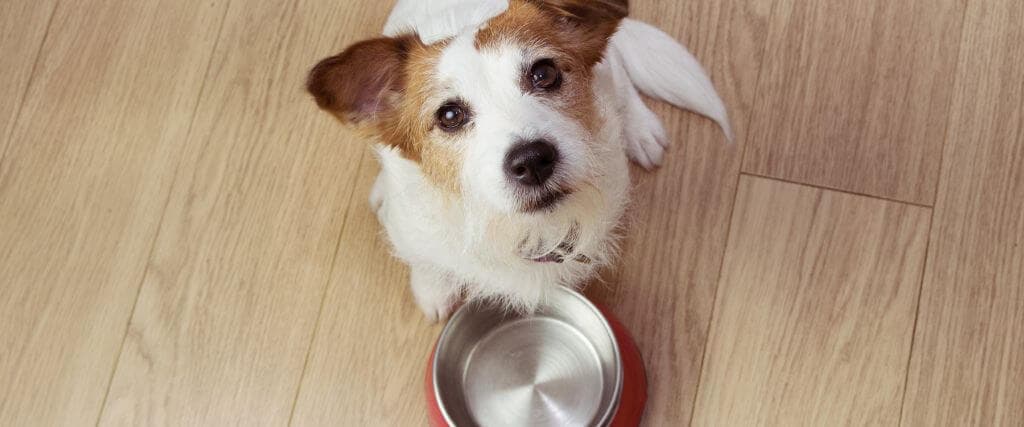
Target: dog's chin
(545, 202)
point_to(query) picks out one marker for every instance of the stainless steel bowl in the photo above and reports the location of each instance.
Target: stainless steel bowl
(558, 367)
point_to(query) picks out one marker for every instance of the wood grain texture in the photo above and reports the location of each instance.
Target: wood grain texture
(967, 367)
(23, 26)
(664, 288)
(854, 95)
(229, 305)
(165, 173)
(82, 189)
(815, 309)
(370, 355)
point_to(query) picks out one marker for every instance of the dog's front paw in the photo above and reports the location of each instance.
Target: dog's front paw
(377, 194)
(435, 311)
(646, 139)
(434, 293)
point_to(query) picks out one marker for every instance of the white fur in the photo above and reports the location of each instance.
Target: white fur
(479, 245)
(437, 20)
(662, 68)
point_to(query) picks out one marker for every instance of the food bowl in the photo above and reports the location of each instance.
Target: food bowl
(569, 364)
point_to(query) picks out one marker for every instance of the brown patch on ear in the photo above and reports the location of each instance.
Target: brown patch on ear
(383, 86)
(361, 83)
(414, 120)
(589, 23)
(365, 86)
(574, 46)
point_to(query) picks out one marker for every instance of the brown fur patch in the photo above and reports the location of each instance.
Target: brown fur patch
(411, 125)
(385, 86)
(382, 86)
(532, 26)
(580, 26)
(354, 85)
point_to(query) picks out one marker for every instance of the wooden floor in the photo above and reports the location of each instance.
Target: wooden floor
(184, 238)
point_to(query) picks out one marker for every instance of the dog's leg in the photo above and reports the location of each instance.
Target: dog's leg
(435, 292)
(645, 137)
(377, 193)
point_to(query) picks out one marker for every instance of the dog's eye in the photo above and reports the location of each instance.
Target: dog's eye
(545, 75)
(451, 116)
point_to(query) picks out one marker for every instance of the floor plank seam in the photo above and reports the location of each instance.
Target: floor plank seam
(326, 287)
(836, 190)
(728, 225)
(757, 91)
(28, 85)
(714, 299)
(163, 212)
(917, 314)
(931, 224)
(949, 108)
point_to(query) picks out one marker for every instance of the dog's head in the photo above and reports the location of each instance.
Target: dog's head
(505, 114)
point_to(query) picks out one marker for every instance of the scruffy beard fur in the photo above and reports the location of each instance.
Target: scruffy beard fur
(445, 196)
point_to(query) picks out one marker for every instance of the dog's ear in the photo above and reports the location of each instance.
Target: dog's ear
(363, 82)
(590, 23)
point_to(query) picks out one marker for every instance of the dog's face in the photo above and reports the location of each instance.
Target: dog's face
(505, 115)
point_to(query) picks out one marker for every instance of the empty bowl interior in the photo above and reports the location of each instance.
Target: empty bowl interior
(558, 367)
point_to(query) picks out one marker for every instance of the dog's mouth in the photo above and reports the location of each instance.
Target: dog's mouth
(545, 201)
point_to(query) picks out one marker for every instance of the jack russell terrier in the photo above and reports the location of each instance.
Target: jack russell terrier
(503, 129)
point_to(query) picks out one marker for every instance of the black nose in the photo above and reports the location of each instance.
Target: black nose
(531, 163)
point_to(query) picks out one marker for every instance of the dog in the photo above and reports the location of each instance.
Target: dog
(504, 130)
